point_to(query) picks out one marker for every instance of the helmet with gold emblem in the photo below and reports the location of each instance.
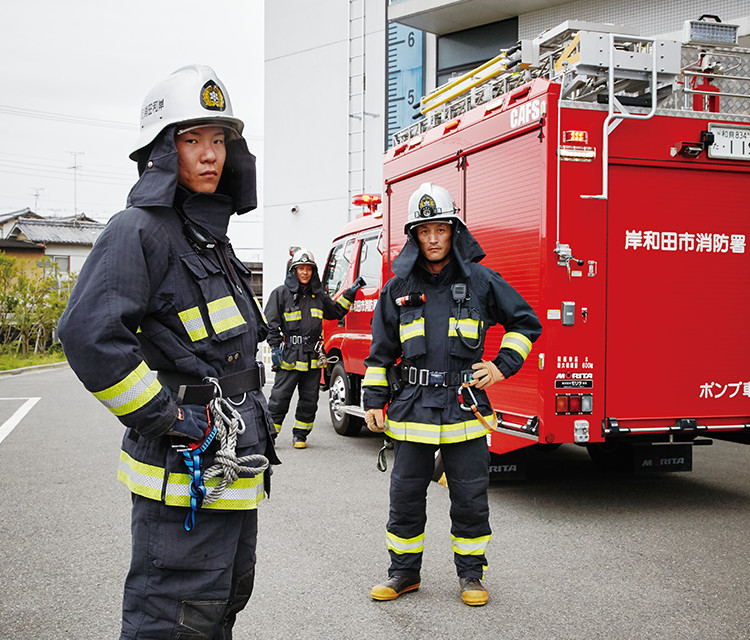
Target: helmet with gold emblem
(191, 96)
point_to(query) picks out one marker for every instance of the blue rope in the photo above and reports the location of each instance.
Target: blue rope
(191, 454)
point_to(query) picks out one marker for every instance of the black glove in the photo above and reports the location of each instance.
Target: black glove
(191, 422)
(358, 284)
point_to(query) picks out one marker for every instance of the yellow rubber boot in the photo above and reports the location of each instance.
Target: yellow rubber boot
(394, 587)
(473, 592)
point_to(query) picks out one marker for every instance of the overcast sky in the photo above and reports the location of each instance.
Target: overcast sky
(74, 74)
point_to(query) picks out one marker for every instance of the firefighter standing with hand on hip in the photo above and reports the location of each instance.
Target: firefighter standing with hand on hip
(432, 316)
(163, 328)
(295, 312)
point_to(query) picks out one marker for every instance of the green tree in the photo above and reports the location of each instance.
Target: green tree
(31, 303)
(9, 271)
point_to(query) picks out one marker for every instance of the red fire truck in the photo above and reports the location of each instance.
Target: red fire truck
(607, 177)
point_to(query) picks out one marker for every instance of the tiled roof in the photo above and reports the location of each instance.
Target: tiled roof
(21, 213)
(20, 245)
(57, 232)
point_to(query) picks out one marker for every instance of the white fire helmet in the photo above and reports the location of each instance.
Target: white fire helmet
(192, 95)
(430, 203)
(303, 256)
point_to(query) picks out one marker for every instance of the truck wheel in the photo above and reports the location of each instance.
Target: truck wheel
(340, 393)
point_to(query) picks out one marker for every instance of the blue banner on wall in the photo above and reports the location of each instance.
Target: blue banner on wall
(405, 77)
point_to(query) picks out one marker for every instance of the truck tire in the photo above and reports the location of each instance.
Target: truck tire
(340, 393)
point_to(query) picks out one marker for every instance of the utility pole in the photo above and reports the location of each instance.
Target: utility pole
(37, 191)
(75, 168)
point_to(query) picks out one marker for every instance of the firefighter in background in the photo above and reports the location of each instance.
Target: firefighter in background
(295, 312)
(431, 319)
(161, 324)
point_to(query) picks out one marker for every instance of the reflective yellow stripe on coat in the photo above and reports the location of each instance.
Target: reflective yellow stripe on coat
(436, 433)
(193, 323)
(131, 393)
(375, 377)
(148, 481)
(411, 330)
(518, 342)
(469, 328)
(224, 314)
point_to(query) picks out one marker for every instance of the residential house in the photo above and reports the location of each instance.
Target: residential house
(66, 241)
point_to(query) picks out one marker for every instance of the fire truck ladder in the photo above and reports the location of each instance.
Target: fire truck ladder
(629, 58)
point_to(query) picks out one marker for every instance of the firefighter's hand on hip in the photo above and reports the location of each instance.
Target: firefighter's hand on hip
(374, 420)
(486, 374)
(191, 422)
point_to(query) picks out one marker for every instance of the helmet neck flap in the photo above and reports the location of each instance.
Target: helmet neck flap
(157, 165)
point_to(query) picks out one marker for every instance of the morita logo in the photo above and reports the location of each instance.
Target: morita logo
(662, 462)
(503, 468)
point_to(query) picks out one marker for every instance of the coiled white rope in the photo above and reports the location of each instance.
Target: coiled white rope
(227, 465)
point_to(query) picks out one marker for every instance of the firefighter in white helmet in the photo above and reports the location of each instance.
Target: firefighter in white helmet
(295, 313)
(431, 318)
(163, 328)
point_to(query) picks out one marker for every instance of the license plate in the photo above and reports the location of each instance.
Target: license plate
(731, 142)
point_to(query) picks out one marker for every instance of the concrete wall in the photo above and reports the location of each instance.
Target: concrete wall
(306, 124)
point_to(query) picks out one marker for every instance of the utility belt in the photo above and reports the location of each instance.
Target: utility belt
(427, 378)
(195, 390)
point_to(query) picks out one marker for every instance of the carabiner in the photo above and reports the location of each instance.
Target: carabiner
(217, 386)
(472, 407)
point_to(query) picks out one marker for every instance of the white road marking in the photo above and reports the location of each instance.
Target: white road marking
(12, 422)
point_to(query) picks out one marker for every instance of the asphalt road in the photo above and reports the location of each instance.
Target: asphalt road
(575, 553)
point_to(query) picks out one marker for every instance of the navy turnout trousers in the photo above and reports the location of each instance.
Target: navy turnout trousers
(467, 472)
(187, 585)
(308, 385)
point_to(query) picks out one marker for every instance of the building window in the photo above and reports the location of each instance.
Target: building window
(62, 262)
(465, 50)
(370, 261)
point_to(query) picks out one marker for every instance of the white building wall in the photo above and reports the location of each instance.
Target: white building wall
(306, 161)
(76, 252)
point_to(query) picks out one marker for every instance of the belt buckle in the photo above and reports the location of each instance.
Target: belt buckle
(424, 377)
(413, 375)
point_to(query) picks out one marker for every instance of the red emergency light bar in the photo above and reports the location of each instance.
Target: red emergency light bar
(369, 200)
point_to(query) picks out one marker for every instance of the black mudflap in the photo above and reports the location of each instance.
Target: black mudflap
(661, 458)
(508, 466)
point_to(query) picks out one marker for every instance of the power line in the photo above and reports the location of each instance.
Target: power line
(91, 177)
(61, 117)
(19, 158)
(83, 120)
